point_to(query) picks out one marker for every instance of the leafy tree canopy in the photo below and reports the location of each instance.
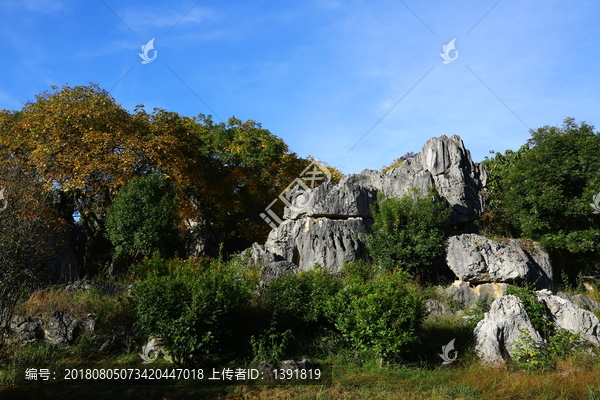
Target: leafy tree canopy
(543, 192)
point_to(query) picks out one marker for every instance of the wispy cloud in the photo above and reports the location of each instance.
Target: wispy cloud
(40, 6)
(163, 17)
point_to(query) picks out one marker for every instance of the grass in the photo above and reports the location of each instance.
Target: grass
(420, 376)
(352, 382)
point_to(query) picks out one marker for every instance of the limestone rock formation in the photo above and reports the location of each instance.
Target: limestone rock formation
(329, 242)
(567, 315)
(465, 296)
(327, 224)
(496, 335)
(436, 308)
(24, 329)
(580, 300)
(63, 329)
(475, 258)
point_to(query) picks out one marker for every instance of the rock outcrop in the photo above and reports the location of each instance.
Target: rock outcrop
(329, 242)
(326, 224)
(581, 301)
(477, 259)
(569, 316)
(496, 335)
(24, 329)
(464, 295)
(63, 329)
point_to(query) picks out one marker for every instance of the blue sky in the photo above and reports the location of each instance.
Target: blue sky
(353, 83)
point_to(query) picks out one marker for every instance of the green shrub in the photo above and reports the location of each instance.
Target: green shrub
(531, 355)
(535, 310)
(379, 317)
(408, 233)
(300, 300)
(359, 272)
(193, 306)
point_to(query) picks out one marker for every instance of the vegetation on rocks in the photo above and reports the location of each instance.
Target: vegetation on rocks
(90, 181)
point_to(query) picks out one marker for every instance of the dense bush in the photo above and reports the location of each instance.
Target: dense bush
(409, 233)
(300, 300)
(535, 310)
(193, 306)
(543, 192)
(379, 317)
(141, 220)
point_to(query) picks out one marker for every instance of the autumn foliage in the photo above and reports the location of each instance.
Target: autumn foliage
(84, 147)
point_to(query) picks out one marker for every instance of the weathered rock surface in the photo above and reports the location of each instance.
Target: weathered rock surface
(63, 329)
(580, 300)
(496, 336)
(325, 224)
(277, 269)
(569, 316)
(436, 308)
(475, 258)
(104, 287)
(464, 295)
(24, 329)
(331, 243)
(444, 163)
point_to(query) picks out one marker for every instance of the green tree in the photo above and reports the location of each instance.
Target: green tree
(409, 233)
(545, 190)
(142, 218)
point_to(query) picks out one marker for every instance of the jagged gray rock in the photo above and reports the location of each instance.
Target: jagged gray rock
(464, 295)
(329, 242)
(24, 329)
(580, 300)
(475, 258)
(259, 255)
(436, 308)
(496, 335)
(569, 316)
(63, 329)
(461, 294)
(343, 211)
(444, 163)
(277, 269)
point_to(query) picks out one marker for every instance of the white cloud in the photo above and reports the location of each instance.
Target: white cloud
(41, 6)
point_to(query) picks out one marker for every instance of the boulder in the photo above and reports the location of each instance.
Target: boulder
(329, 242)
(461, 294)
(24, 329)
(106, 288)
(436, 308)
(63, 329)
(569, 316)
(496, 335)
(351, 197)
(303, 364)
(465, 295)
(580, 300)
(277, 269)
(475, 258)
